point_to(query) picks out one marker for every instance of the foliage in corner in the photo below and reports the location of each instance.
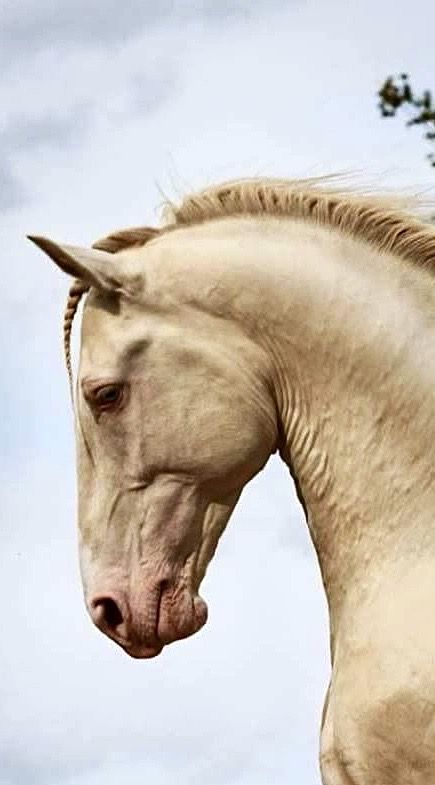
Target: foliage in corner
(396, 93)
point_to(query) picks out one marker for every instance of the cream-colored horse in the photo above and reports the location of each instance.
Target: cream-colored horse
(269, 316)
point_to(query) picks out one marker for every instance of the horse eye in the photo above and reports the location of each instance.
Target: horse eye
(108, 396)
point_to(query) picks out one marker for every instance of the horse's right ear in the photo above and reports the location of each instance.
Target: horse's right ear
(96, 268)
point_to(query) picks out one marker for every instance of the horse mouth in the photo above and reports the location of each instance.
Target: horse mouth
(146, 621)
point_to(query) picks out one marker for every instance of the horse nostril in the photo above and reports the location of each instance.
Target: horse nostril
(107, 613)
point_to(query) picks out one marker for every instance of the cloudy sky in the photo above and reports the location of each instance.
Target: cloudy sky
(105, 106)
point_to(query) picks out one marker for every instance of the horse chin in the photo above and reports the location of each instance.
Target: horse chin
(140, 652)
(180, 617)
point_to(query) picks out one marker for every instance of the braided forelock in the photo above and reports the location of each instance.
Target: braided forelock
(75, 294)
(118, 241)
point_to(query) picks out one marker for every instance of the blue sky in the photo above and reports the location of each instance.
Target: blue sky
(104, 107)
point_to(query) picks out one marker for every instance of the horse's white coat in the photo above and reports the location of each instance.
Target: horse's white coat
(236, 338)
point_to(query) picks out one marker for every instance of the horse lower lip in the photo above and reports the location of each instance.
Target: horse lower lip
(154, 646)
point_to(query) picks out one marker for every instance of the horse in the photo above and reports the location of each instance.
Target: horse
(269, 316)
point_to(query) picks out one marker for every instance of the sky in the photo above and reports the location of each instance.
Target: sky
(106, 109)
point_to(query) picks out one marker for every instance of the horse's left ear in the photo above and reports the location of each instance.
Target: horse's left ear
(96, 268)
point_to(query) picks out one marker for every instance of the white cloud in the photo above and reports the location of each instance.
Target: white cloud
(28, 27)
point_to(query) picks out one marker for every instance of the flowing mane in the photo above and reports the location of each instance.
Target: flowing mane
(384, 222)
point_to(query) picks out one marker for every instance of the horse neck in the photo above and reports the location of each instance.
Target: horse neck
(352, 344)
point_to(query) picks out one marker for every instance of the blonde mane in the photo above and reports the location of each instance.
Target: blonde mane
(380, 221)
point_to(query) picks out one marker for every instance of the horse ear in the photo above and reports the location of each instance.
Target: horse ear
(95, 268)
